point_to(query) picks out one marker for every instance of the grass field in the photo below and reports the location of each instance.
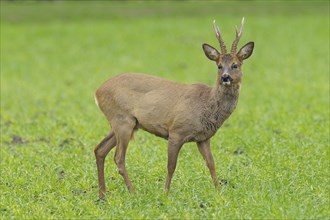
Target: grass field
(273, 152)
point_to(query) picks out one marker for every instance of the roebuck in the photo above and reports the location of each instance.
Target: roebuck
(177, 112)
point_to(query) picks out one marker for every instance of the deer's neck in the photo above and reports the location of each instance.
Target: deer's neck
(222, 102)
(225, 97)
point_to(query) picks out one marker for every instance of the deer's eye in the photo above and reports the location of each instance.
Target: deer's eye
(220, 67)
(234, 66)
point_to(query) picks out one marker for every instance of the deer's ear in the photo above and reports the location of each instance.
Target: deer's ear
(246, 51)
(211, 52)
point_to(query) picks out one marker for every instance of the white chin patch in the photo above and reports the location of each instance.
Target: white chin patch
(226, 83)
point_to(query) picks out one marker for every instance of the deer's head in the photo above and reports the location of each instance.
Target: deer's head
(229, 64)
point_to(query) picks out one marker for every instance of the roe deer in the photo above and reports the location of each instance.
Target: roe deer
(177, 112)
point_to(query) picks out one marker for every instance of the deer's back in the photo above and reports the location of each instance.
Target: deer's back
(126, 90)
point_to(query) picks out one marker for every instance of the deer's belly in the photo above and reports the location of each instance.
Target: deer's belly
(199, 137)
(152, 122)
(156, 129)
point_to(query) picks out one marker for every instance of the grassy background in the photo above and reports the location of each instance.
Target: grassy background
(273, 152)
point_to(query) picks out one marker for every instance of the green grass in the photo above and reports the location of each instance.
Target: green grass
(55, 54)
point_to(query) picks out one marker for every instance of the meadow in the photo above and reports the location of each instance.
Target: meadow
(272, 154)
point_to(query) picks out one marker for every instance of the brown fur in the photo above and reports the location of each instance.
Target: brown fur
(177, 112)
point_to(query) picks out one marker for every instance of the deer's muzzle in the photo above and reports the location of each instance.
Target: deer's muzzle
(226, 79)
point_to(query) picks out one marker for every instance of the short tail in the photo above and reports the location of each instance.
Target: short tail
(96, 102)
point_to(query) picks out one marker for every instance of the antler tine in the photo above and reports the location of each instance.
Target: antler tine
(238, 36)
(218, 35)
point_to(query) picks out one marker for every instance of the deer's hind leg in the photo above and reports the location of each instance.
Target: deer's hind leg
(124, 131)
(101, 151)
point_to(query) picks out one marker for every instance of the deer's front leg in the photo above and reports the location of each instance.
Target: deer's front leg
(205, 149)
(174, 147)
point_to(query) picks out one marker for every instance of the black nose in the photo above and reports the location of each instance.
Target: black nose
(225, 78)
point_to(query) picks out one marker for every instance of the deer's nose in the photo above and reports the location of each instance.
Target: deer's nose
(225, 77)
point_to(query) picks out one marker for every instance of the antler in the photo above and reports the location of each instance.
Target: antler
(238, 36)
(218, 35)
